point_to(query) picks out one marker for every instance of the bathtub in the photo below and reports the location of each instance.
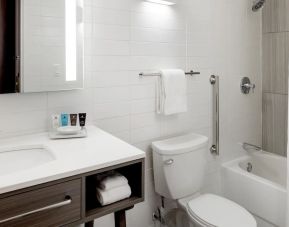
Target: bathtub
(257, 181)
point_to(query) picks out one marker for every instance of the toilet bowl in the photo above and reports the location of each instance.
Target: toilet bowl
(210, 210)
(179, 167)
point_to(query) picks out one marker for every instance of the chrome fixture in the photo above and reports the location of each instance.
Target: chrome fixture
(169, 162)
(214, 80)
(258, 4)
(246, 86)
(249, 167)
(191, 73)
(248, 146)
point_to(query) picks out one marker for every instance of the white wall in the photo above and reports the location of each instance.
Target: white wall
(241, 115)
(124, 37)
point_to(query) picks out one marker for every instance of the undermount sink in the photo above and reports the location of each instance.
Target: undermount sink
(15, 159)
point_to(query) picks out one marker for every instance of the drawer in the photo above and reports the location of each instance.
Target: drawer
(55, 205)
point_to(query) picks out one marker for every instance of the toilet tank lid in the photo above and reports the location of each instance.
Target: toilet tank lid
(180, 145)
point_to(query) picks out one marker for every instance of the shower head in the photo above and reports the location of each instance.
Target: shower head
(258, 4)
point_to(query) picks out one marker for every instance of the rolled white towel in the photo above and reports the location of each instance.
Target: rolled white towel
(106, 197)
(111, 180)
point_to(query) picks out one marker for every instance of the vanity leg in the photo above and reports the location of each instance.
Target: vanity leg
(89, 224)
(119, 218)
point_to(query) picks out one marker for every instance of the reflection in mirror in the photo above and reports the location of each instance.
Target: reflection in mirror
(8, 46)
(51, 45)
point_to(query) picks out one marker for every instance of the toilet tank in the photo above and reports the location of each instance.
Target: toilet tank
(179, 165)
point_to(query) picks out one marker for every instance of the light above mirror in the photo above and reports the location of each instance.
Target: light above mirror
(162, 2)
(70, 40)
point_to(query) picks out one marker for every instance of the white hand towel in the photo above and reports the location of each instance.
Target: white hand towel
(112, 180)
(106, 197)
(172, 92)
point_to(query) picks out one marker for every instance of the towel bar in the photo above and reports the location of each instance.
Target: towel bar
(191, 73)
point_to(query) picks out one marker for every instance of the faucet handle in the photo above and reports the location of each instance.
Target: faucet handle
(253, 86)
(246, 86)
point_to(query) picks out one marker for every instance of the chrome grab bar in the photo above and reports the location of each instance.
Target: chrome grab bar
(214, 80)
(67, 201)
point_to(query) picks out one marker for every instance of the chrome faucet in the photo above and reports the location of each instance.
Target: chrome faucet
(247, 147)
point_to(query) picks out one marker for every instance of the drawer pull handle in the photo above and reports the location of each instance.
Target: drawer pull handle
(66, 202)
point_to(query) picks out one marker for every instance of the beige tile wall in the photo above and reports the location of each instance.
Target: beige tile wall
(275, 16)
(275, 75)
(275, 123)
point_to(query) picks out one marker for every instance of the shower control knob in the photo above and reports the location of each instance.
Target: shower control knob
(246, 86)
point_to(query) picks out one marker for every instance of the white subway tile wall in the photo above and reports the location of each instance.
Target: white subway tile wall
(125, 37)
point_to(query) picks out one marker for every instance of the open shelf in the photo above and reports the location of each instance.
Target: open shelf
(101, 211)
(135, 175)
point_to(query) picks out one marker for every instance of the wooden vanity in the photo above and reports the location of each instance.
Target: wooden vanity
(63, 192)
(69, 201)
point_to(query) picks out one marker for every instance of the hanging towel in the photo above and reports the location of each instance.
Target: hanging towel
(172, 92)
(110, 180)
(106, 197)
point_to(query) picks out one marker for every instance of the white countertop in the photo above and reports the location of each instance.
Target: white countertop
(73, 157)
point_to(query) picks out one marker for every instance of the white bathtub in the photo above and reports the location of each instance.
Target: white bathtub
(262, 191)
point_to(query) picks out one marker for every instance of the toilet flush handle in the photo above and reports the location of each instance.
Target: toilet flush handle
(169, 162)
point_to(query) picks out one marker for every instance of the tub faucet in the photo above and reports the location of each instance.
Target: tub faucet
(248, 146)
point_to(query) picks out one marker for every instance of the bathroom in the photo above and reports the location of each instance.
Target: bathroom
(116, 41)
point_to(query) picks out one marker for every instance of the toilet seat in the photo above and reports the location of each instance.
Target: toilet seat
(214, 211)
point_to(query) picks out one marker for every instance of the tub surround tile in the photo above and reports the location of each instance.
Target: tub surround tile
(275, 16)
(275, 74)
(275, 64)
(275, 123)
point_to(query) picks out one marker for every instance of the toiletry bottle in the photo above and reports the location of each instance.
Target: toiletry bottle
(82, 119)
(64, 120)
(73, 119)
(55, 121)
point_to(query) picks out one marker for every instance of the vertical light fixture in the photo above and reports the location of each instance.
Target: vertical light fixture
(70, 39)
(162, 2)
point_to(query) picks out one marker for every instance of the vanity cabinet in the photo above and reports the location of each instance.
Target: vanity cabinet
(48, 206)
(70, 201)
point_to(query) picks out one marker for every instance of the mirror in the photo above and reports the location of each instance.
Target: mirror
(48, 46)
(51, 45)
(8, 45)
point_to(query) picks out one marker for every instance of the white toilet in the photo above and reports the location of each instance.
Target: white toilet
(179, 166)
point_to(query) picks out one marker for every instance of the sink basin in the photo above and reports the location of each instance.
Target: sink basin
(15, 159)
